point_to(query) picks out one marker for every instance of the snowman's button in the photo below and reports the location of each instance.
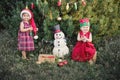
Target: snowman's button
(58, 44)
(58, 49)
(58, 41)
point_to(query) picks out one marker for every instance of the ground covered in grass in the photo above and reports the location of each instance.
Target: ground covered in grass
(12, 67)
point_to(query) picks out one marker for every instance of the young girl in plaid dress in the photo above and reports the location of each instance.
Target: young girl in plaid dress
(25, 39)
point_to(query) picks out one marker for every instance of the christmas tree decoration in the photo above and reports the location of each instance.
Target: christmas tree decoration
(60, 48)
(51, 17)
(59, 3)
(67, 6)
(59, 60)
(83, 2)
(75, 4)
(59, 18)
(37, 2)
(62, 63)
(26, 7)
(32, 6)
(65, 62)
(45, 2)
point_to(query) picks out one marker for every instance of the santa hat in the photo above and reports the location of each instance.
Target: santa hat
(84, 22)
(57, 28)
(26, 10)
(32, 22)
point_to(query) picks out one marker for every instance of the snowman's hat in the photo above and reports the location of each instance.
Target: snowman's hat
(57, 28)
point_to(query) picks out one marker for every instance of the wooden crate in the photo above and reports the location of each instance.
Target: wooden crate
(45, 58)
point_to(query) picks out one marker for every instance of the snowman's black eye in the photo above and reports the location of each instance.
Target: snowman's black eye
(59, 34)
(56, 34)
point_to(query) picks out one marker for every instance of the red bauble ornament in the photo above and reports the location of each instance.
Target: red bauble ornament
(59, 3)
(83, 3)
(60, 64)
(32, 6)
(65, 62)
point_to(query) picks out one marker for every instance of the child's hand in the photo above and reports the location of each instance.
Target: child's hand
(82, 38)
(30, 28)
(85, 39)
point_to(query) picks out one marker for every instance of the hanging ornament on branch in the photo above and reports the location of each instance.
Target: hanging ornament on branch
(32, 5)
(51, 17)
(67, 6)
(37, 2)
(59, 18)
(75, 4)
(59, 3)
(45, 2)
(83, 2)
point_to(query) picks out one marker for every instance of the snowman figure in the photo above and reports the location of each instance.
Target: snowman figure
(60, 49)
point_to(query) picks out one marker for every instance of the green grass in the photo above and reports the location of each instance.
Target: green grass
(12, 67)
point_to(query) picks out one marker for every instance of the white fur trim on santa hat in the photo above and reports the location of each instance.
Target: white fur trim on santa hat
(25, 11)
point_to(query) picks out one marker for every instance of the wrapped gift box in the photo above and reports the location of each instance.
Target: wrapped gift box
(45, 58)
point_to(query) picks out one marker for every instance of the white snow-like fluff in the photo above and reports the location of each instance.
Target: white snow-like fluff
(60, 48)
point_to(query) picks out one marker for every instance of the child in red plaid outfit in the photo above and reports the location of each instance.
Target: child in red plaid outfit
(25, 39)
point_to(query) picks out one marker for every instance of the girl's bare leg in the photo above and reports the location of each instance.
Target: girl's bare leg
(94, 57)
(24, 55)
(93, 60)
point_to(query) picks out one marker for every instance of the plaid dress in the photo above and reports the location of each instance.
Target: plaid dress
(25, 41)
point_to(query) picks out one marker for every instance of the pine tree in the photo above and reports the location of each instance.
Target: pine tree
(104, 17)
(50, 14)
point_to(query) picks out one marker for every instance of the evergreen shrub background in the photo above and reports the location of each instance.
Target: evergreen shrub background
(104, 18)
